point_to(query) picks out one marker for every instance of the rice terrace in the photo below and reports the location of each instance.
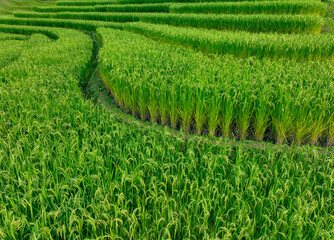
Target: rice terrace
(166, 119)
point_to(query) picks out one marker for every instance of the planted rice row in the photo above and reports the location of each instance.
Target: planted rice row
(163, 7)
(109, 2)
(242, 44)
(251, 23)
(9, 36)
(17, 29)
(239, 44)
(64, 23)
(245, 98)
(269, 7)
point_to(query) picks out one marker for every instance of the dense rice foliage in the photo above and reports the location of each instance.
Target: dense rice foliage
(218, 94)
(10, 50)
(250, 23)
(107, 2)
(108, 8)
(76, 24)
(242, 44)
(270, 7)
(10, 36)
(72, 169)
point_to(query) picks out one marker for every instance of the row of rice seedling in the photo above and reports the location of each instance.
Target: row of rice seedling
(251, 23)
(64, 23)
(194, 1)
(71, 170)
(109, 2)
(114, 17)
(288, 101)
(268, 7)
(242, 44)
(17, 29)
(9, 36)
(163, 7)
(86, 3)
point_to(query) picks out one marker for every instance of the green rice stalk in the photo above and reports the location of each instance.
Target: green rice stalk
(174, 108)
(187, 106)
(200, 111)
(213, 113)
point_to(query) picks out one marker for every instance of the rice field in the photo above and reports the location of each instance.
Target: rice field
(156, 119)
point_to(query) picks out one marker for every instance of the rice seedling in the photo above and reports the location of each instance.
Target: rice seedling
(187, 107)
(213, 113)
(143, 99)
(200, 115)
(243, 113)
(164, 104)
(153, 104)
(174, 112)
(228, 106)
(281, 117)
(262, 112)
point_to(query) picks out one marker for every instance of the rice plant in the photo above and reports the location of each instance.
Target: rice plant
(256, 23)
(252, 7)
(108, 2)
(292, 100)
(107, 8)
(75, 24)
(242, 44)
(71, 168)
